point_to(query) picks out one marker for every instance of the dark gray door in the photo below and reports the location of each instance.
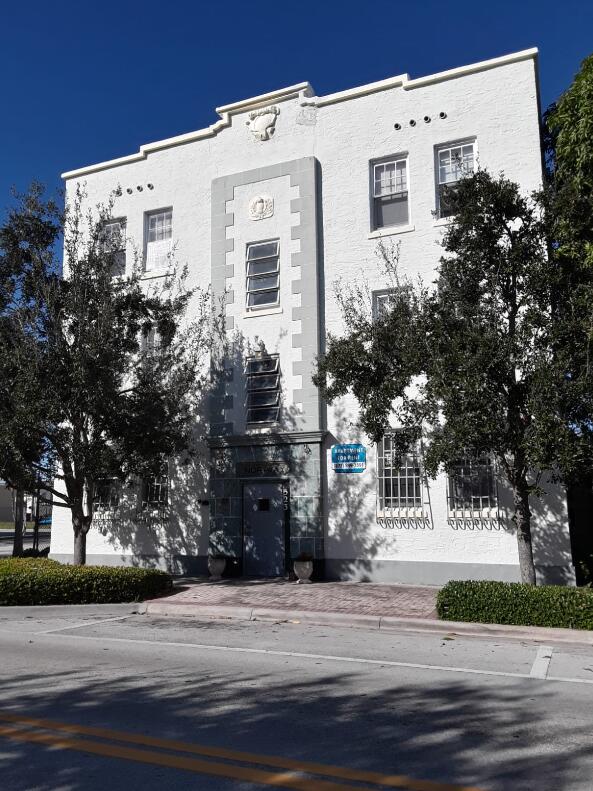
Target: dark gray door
(263, 529)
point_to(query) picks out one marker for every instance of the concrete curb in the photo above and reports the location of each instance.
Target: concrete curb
(83, 610)
(377, 622)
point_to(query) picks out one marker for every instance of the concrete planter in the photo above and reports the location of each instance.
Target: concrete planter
(303, 569)
(216, 568)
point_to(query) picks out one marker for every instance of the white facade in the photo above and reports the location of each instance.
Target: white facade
(298, 169)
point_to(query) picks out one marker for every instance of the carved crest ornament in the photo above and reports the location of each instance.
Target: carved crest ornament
(262, 123)
(260, 207)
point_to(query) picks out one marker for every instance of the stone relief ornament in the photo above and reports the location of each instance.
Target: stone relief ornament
(260, 207)
(262, 123)
(307, 116)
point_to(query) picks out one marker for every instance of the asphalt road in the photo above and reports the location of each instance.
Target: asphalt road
(145, 703)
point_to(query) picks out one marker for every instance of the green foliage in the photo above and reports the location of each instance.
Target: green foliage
(84, 394)
(569, 127)
(28, 581)
(515, 603)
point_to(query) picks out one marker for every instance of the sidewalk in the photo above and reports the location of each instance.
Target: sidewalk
(408, 608)
(340, 598)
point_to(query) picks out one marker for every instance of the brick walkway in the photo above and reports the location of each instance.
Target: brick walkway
(354, 598)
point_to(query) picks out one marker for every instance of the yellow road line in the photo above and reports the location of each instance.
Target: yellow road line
(248, 774)
(377, 778)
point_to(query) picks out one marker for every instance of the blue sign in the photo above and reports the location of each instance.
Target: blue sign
(349, 458)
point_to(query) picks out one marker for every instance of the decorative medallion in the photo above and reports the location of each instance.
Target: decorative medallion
(260, 207)
(262, 122)
(307, 116)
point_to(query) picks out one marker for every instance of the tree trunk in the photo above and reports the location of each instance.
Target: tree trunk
(523, 522)
(19, 520)
(79, 547)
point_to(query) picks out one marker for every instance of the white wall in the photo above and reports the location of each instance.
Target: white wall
(495, 105)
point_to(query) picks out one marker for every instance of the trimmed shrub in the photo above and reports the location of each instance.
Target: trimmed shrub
(517, 604)
(42, 581)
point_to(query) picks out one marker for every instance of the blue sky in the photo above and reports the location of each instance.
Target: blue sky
(84, 82)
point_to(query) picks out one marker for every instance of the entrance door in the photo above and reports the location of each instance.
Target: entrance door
(263, 529)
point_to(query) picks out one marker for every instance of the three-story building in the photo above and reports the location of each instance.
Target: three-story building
(274, 204)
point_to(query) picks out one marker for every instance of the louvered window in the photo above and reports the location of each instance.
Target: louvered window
(263, 389)
(263, 275)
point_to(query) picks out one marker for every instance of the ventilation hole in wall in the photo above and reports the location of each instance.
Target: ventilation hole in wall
(397, 126)
(427, 119)
(139, 187)
(412, 122)
(442, 114)
(129, 190)
(150, 186)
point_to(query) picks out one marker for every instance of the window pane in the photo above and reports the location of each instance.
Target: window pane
(391, 211)
(160, 226)
(259, 298)
(263, 398)
(263, 282)
(262, 250)
(263, 266)
(390, 178)
(264, 415)
(263, 365)
(399, 479)
(263, 382)
(472, 485)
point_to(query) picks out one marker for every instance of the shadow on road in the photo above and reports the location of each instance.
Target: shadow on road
(486, 735)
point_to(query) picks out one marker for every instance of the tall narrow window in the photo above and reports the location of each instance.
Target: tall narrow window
(159, 232)
(453, 162)
(155, 490)
(399, 480)
(472, 485)
(263, 275)
(263, 389)
(390, 193)
(114, 244)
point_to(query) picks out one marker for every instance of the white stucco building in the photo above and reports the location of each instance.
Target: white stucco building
(282, 196)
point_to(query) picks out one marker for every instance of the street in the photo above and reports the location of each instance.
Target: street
(97, 697)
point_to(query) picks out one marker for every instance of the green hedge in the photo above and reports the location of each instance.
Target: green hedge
(43, 581)
(515, 603)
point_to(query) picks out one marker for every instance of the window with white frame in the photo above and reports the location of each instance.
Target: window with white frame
(155, 490)
(159, 233)
(390, 193)
(399, 480)
(453, 163)
(472, 486)
(263, 389)
(114, 244)
(106, 494)
(382, 302)
(263, 275)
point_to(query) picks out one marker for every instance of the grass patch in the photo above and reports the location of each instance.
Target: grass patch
(27, 581)
(516, 604)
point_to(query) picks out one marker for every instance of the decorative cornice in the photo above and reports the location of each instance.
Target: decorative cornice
(304, 93)
(242, 440)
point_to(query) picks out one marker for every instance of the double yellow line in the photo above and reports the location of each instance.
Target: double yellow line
(292, 776)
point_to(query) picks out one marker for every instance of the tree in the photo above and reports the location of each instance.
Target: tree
(569, 150)
(92, 397)
(470, 363)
